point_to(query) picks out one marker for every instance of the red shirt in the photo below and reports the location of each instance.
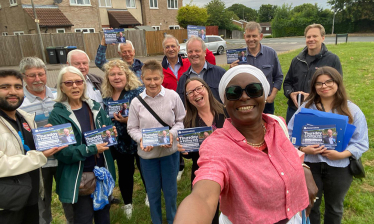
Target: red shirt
(255, 187)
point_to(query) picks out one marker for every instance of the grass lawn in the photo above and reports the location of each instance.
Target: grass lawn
(357, 62)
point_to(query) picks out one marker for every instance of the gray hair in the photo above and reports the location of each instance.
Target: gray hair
(192, 39)
(252, 25)
(167, 37)
(76, 51)
(61, 96)
(127, 42)
(31, 62)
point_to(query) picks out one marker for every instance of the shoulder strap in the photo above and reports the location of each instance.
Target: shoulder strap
(281, 123)
(152, 112)
(122, 94)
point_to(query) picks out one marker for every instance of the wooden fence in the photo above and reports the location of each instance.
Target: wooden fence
(154, 39)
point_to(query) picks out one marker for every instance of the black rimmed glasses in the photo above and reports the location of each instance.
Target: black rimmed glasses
(70, 83)
(327, 83)
(253, 90)
(198, 89)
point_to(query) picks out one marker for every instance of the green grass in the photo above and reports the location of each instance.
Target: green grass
(357, 62)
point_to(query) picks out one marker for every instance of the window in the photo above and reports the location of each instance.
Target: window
(60, 30)
(131, 3)
(5, 34)
(105, 3)
(19, 33)
(13, 2)
(174, 27)
(153, 4)
(156, 27)
(172, 4)
(80, 2)
(85, 30)
(267, 28)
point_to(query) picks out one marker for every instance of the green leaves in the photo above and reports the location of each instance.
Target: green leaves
(192, 15)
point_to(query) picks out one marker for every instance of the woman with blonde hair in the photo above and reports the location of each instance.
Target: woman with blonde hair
(120, 83)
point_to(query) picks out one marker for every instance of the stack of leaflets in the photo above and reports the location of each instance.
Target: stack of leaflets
(236, 54)
(155, 136)
(191, 138)
(120, 106)
(114, 36)
(55, 136)
(101, 135)
(312, 127)
(198, 31)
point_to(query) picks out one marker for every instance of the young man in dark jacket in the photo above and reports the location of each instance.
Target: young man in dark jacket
(303, 66)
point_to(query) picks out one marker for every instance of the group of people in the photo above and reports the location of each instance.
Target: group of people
(247, 168)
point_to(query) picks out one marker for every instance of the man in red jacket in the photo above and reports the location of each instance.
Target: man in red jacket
(174, 65)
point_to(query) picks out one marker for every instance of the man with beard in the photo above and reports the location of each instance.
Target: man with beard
(39, 100)
(17, 149)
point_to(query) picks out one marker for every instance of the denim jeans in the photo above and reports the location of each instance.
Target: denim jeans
(333, 183)
(161, 174)
(290, 113)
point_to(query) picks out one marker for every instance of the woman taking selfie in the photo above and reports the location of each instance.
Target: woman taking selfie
(74, 107)
(330, 168)
(120, 83)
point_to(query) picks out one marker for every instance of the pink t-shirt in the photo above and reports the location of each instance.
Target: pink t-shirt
(255, 187)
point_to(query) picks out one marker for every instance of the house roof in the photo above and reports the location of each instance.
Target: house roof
(265, 24)
(49, 17)
(120, 18)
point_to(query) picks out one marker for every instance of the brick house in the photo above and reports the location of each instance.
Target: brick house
(161, 14)
(266, 28)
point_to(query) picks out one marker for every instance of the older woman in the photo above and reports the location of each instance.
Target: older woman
(160, 165)
(73, 106)
(330, 168)
(249, 162)
(120, 83)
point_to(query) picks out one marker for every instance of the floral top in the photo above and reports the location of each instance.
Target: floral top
(125, 143)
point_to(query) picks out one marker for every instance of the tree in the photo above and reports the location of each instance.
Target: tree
(266, 13)
(243, 12)
(218, 15)
(192, 15)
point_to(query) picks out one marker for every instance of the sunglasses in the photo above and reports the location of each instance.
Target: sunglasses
(70, 83)
(253, 90)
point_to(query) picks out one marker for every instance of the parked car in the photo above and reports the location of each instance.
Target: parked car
(214, 43)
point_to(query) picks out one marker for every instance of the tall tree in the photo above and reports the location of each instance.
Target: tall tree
(199, 17)
(218, 15)
(244, 12)
(266, 13)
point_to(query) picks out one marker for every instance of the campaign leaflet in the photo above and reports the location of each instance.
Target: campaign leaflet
(155, 136)
(114, 36)
(101, 135)
(191, 138)
(236, 54)
(319, 135)
(119, 106)
(198, 31)
(55, 136)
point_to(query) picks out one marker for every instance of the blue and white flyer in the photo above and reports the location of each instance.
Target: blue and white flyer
(114, 36)
(55, 136)
(119, 106)
(191, 138)
(101, 135)
(155, 136)
(236, 54)
(319, 135)
(198, 31)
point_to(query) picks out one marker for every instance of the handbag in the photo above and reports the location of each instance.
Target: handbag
(152, 112)
(356, 167)
(88, 180)
(15, 191)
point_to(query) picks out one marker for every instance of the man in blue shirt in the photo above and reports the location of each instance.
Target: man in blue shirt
(264, 58)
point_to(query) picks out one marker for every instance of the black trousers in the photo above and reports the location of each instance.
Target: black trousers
(45, 205)
(269, 108)
(84, 213)
(27, 215)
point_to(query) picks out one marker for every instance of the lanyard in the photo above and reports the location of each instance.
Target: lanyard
(25, 147)
(323, 108)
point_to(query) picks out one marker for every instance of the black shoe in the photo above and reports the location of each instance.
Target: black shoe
(115, 201)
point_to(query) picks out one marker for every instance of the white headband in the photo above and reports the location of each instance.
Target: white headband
(249, 69)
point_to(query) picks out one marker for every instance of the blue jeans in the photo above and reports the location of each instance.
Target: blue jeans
(290, 113)
(161, 174)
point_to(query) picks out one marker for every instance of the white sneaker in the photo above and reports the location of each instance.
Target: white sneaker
(146, 200)
(179, 177)
(128, 210)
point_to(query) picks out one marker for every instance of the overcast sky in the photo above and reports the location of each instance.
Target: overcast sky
(255, 4)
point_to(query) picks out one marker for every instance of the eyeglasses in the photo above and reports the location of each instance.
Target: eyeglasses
(327, 83)
(70, 83)
(198, 89)
(252, 90)
(33, 76)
